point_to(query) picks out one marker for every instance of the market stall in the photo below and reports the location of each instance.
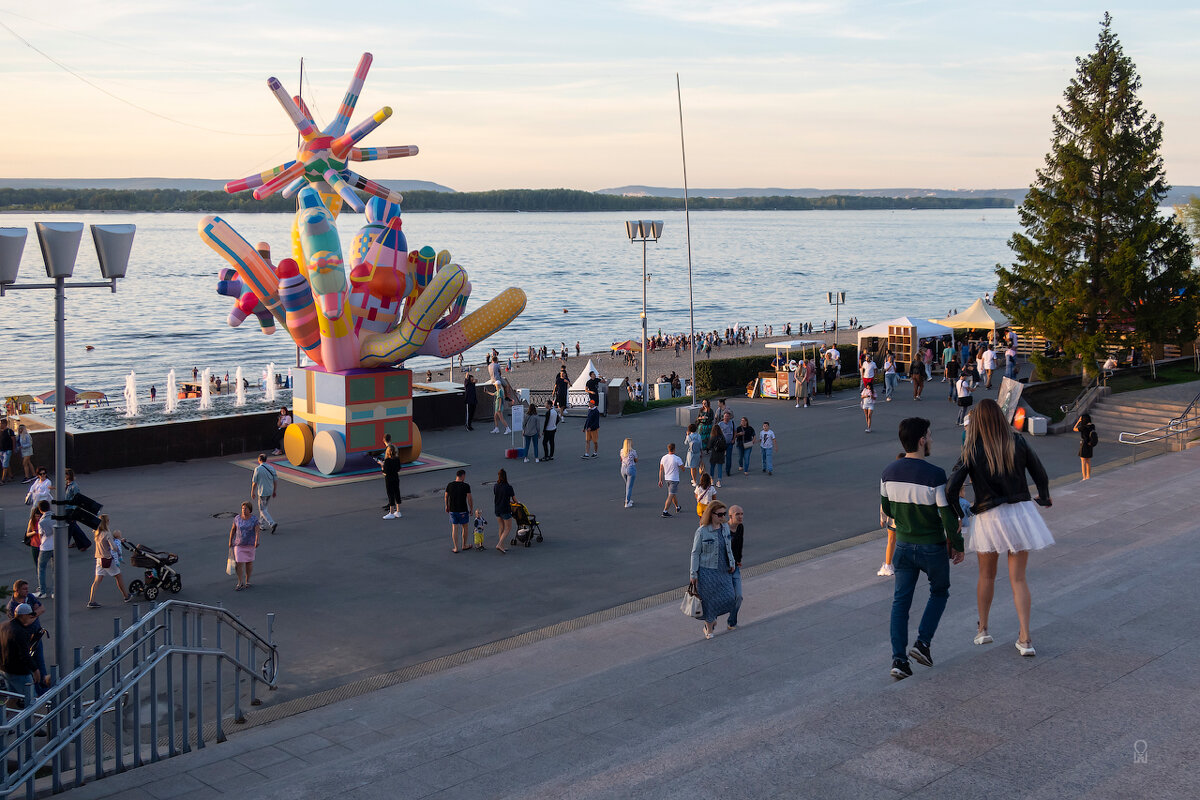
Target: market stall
(780, 382)
(902, 336)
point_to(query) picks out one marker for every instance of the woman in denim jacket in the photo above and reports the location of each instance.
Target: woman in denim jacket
(712, 568)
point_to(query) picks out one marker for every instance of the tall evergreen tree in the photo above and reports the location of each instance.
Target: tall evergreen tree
(1097, 259)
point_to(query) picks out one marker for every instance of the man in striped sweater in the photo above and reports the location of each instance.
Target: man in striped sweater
(928, 537)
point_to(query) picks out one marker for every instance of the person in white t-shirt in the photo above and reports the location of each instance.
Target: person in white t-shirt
(868, 403)
(867, 370)
(668, 474)
(766, 443)
(989, 364)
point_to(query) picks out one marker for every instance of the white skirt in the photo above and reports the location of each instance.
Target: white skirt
(1010, 528)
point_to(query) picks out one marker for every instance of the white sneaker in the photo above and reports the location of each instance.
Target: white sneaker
(629, 505)
(527, 461)
(983, 637)
(537, 461)
(397, 515)
(507, 431)
(886, 571)
(495, 430)
(389, 515)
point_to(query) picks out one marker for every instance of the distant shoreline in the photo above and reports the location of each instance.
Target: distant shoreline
(507, 200)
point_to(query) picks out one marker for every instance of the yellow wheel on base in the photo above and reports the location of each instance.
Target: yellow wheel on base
(298, 443)
(413, 451)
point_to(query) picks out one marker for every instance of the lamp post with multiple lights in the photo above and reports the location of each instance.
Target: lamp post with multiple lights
(644, 230)
(60, 245)
(837, 300)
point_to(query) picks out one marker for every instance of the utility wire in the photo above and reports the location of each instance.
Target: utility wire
(118, 98)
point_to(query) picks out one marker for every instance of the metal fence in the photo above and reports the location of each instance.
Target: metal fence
(167, 684)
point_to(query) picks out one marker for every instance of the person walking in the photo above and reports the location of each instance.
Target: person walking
(628, 470)
(744, 436)
(78, 538)
(725, 423)
(963, 389)
(531, 430)
(717, 448)
(704, 423)
(989, 364)
(705, 492)
(471, 398)
(390, 465)
(108, 560)
(766, 443)
(549, 428)
(927, 358)
(496, 390)
(459, 506)
(712, 568)
(868, 403)
(25, 448)
(889, 376)
(737, 535)
(40, 489)
(830, 360)
(561, 385)
(693, 452)
(1088, 439)
(33, 535)
(916, 371)
(45, 561)
(947, 354)
(263, 486)
(18, 667)
(503, 497)
(668, 475)
(1005, 520)
(928, 539)
(591, 431)
(7, 443)
(867, 370)
(243, 542)
(952, 372)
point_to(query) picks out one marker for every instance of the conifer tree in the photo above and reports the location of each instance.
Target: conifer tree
(1097, 262)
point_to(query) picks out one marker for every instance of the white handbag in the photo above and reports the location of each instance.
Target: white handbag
(691, 605)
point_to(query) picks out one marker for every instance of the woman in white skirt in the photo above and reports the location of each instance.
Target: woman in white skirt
(996, 459)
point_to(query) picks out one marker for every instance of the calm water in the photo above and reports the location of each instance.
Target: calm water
(755, 268)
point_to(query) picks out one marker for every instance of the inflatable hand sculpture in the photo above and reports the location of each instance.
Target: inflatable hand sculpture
(327, 311)
(245, 302)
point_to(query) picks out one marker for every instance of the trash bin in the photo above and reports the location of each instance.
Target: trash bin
(686, 415)
(1037, 425)
(662, 391)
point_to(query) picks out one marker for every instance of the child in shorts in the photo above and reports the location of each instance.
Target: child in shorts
(480, 524)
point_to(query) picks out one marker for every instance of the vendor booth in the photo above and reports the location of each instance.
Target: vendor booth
(979, 316)
(780, 382)
(902, 336)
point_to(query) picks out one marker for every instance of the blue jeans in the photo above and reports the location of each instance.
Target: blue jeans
(768, 458)
(889, 384)
(45, 562)
(531, 446)
(744, 456)
(737, 590)
(728, 461)
(630, 475)
(910, 560)
(715, 469)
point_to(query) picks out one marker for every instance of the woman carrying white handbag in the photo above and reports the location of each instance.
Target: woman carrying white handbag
(712, 568)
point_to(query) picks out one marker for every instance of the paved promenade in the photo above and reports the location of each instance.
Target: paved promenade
(797, 702)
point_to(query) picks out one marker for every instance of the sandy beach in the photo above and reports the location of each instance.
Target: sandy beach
(539, 375)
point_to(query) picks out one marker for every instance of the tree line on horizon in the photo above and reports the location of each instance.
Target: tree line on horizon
(200, 202)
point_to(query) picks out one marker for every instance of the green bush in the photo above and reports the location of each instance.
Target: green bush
(635, 406)
(730, 374)
(1046, 368)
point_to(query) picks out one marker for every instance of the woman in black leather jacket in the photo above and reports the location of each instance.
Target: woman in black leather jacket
(996, 459)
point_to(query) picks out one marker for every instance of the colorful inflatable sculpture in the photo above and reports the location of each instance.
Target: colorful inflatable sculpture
(359, 321)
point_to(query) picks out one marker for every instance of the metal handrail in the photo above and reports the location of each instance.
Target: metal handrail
(1070, 407)
(91, 703)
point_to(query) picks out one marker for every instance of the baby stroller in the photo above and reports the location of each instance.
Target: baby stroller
(159, 574)
(527, 526)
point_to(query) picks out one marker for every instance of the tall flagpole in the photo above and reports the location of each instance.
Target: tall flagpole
(687, 219)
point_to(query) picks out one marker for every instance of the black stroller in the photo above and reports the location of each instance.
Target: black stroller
(527, 526)
(159, 574)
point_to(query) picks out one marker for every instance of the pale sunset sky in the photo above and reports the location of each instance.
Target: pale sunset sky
(522, 94)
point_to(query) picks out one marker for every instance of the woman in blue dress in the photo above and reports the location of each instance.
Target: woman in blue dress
(693, 452)
(712, 568)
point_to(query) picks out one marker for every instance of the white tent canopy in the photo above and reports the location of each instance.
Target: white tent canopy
(978, 315)
(798, 344)
(926, 329)
(581, 382)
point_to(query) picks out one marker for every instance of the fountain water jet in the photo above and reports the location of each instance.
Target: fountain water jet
(205, 390)
(172, 399)
(131, 399)
(241, 388)
(269, 383)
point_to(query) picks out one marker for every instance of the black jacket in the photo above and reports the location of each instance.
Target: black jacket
(996, 490)
(15, 641)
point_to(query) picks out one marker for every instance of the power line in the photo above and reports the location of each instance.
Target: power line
(118, 98)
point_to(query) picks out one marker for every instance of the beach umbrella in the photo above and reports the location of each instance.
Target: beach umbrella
(48, 397)
(628, 344)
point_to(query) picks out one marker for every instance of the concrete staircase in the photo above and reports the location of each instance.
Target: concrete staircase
(1133, 412)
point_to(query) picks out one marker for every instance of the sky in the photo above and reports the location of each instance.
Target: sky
(522, 94)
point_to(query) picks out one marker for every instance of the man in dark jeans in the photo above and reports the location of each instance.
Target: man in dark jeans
(472, 399)
(928, 538)
(17, 666)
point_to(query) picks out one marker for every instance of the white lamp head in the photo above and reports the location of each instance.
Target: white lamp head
(12, 244)
(113, 243)
(60, 246)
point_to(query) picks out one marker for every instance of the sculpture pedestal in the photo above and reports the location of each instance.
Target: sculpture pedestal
(341, 417)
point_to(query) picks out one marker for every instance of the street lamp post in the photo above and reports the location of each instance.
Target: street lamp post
(644, 230)
(837, 300)
(59, 242)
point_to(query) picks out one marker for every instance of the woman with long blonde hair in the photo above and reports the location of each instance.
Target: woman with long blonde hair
(996, 459)
(628, 470)
(108, 561)
(712, 568)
